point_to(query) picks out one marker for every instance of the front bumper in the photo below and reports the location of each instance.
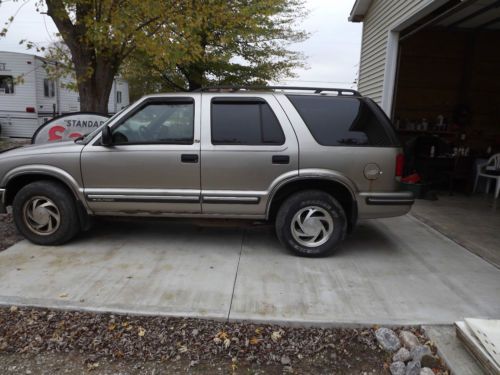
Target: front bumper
(3, 209)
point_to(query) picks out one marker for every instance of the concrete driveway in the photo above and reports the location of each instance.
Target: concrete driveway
(392, 271)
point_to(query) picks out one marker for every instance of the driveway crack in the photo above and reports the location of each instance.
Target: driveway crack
(236, 276)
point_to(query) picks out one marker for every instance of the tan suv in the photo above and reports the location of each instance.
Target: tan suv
(312, 160)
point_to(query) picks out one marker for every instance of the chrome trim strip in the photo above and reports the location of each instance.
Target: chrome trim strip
(143, 198)
(233, 193)
(3, 209)
(231, 200)
(148, 192)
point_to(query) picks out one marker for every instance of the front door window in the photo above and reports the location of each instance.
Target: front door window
(158, 123)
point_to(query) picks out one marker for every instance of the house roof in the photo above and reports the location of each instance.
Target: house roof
(359, 10)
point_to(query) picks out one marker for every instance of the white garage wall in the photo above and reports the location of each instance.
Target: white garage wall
(382, 17)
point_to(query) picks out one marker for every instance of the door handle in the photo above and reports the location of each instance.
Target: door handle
(189, 158)
(281, 159)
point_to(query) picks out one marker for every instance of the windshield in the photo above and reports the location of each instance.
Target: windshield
(86, 138)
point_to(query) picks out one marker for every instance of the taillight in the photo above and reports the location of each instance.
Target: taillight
(400, 165)
(30, 109)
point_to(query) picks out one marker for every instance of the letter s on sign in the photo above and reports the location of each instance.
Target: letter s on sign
(54, 132)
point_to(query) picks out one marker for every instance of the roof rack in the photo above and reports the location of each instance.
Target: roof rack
(316, 90)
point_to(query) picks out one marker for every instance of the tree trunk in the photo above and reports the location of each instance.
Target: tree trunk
(95, 80)
(95, 91)
(194, 76)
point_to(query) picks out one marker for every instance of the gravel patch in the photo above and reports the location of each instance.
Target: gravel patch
(415, 355)
(103, 342)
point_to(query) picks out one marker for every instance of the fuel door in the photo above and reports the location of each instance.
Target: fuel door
(372, 171)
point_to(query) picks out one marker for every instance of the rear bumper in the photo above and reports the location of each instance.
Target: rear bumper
(3, 210)
(379, 205)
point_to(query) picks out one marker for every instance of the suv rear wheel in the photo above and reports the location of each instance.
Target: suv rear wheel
(311, 223)
(45, 213)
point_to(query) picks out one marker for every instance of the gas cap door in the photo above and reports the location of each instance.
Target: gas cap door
(372, 171)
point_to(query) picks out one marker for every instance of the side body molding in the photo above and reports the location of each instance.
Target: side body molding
(47, 170)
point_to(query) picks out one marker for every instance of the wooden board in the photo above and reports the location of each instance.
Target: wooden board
(475, 348)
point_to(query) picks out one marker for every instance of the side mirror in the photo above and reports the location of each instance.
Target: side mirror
(106, 136)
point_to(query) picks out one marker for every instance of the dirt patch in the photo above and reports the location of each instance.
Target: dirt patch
(8, 233)
(40, 341)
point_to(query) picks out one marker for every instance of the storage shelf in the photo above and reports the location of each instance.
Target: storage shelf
(438, 132)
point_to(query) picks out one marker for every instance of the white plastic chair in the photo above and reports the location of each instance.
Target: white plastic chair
(493, 165)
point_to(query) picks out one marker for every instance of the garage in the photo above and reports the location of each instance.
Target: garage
(447, 94)
(433, 66)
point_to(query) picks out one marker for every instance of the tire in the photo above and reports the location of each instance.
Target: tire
(45, 213)
(311, 223)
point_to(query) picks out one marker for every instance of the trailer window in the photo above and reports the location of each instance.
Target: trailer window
(6, 85)
(48, 88)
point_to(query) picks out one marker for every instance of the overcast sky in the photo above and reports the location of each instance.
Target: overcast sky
(332, 51)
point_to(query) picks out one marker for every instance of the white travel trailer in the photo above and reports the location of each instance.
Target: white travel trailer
(28, 102)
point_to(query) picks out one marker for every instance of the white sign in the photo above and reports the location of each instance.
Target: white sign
(68, 127)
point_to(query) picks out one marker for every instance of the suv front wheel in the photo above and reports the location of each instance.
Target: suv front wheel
(311, 223)
(45, 213)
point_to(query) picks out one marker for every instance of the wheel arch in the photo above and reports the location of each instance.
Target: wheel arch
(338, 189)
(17, 178)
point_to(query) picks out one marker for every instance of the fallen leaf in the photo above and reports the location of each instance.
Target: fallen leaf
(92, 366)
(13, 309)
(222, 335)
(276, 335)
(141, 332)
(63, 295)
(183, 349)
(234, 365)
(255, 341)
(111, 327)
(227, 342)
(258, 331)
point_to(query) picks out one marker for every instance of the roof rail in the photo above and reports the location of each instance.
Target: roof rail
(317, 90)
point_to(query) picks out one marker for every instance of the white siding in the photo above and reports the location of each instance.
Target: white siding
(119, 85)
(14, 119)
(69, 100)
(45, 105)
(381, 17)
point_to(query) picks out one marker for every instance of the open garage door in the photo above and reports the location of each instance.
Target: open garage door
(446, 104)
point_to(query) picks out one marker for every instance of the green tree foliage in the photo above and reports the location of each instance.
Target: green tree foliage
(222, 42)
(171, 44)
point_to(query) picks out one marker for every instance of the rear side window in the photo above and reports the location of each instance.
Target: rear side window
(249, 122)
(341, 121)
